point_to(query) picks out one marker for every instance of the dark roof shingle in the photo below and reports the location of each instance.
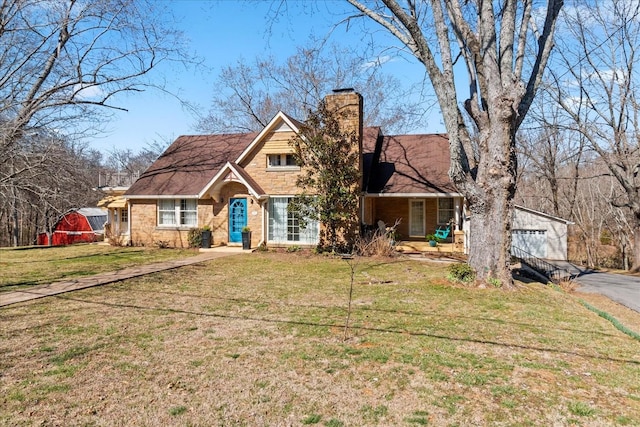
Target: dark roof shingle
(409, 164)
(189, 164)
(400, 164)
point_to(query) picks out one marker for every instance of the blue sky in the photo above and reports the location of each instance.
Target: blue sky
(221, 32)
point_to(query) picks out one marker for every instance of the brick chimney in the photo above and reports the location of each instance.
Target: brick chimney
(347, 103)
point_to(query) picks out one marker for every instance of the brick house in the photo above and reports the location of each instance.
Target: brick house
(231, 181)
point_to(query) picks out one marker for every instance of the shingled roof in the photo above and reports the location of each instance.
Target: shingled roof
(399, 164)
(189, 164)
(406, 164)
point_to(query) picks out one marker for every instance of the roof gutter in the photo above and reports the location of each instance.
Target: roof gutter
(413, 195)
(161, 196)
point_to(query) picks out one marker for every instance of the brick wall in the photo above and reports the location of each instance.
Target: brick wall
(391, 209)
(273, 181)
(144, 229)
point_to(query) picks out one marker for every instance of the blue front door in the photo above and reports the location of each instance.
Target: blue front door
(237, 219)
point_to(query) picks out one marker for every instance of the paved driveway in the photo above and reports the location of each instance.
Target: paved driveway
(618, 287)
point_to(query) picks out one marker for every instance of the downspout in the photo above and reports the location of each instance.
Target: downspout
(129, 243)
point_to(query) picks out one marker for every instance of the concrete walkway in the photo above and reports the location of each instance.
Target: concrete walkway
(55, 288)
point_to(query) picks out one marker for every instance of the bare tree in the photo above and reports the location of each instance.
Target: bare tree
(596, 83)
(250, 93)
(504, 47)
(62, 63)
(57, 175)
(132, 162)
(550, 159)
(603, 230)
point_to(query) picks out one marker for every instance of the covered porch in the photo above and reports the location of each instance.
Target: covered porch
(455, 246)
(116, 229)
(413, 217)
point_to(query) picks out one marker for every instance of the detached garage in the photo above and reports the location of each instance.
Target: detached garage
(538, 234)
(77, 226)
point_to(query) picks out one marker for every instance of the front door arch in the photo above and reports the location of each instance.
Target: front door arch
(237, 218)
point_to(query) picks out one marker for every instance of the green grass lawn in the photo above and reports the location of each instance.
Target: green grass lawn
(21, 268)
(259, 339)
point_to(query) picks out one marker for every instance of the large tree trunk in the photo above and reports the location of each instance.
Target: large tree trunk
(490, 195)
(490, 200)
(490, 238)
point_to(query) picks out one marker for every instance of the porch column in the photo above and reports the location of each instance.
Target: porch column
(457, 209)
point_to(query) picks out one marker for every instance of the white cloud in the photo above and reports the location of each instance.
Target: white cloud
(376, 62)
(87, 91)
(615, 75)
(576, 104)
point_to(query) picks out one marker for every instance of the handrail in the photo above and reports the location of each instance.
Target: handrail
(552, 272)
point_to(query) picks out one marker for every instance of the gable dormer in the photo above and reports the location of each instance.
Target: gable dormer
(269, 158)
(273, 139)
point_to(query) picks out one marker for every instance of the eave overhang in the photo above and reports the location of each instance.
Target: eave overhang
(231, 172)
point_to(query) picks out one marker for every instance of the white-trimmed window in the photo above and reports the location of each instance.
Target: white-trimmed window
(446, 210)
(281, 161)
(284, 226)
(177, 212)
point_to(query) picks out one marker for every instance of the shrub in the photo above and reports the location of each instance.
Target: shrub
(194, 238)
(461, 272)
(377, 244)
(162, 244)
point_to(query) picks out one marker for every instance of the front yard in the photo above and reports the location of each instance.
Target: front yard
(258, 339)
(22, 268)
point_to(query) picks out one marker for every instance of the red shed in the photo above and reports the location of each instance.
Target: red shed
(77, 226)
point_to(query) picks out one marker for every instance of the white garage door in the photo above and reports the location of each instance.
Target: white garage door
(533, 242)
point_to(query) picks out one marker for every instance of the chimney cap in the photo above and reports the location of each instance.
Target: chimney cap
(343, 90)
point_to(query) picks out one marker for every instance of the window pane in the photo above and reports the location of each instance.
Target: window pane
(284, 226)
(281, 160)
(277, 218)
(309, 235)
(291, 160)
(167, 204)
(166, 212)
(189, 205)
(293, 227)
(188, 218)
(274, 159)
(445, 210)
(188, 212)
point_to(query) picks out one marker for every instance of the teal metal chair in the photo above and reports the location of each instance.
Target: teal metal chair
(443, 232)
